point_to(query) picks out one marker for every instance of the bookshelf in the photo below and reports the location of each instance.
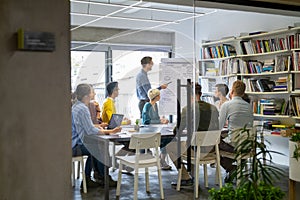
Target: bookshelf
(267, 62)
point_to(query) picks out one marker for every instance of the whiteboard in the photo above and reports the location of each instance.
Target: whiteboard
(169, 71)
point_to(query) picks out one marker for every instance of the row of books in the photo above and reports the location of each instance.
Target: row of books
(220, 51)
(270, 45)
(268, 106)
(255, 66)
(220, 67)
(277, 106)
(279, 64)
(266, 85)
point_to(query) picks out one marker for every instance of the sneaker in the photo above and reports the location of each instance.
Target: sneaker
(183, 183)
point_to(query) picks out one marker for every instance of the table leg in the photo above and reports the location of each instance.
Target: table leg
(291, 189)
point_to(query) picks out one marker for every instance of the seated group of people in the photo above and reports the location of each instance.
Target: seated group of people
(234, 113)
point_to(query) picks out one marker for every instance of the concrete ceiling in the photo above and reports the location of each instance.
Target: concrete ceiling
(123, 14)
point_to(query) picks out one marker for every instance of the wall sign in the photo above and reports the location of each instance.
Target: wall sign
(35, 41)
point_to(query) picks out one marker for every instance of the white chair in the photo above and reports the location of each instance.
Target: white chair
(80, 160)
(204, 139)
(137, 142)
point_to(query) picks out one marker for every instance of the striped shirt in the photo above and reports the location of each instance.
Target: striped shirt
(81, 123)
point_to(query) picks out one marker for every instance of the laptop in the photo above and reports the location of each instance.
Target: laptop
(115, 121)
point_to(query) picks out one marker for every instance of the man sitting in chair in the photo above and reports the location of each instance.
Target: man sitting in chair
(206, 119)
(238, 113)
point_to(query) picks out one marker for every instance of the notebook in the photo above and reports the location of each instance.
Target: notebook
(115, 121)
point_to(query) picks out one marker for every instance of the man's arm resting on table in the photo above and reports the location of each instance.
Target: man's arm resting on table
(109, 132)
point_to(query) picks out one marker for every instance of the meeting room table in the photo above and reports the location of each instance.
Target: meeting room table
(98, 145)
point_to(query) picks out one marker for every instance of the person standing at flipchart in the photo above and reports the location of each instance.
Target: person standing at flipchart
(143, 84)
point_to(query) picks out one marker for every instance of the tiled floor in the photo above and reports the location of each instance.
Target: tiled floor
(170, 192)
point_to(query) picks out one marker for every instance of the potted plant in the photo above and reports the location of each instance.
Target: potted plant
(136, 126)
(256, 182)
(294, 149)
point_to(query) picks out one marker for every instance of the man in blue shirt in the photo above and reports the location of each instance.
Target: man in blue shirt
(143, 83)
(82, 125)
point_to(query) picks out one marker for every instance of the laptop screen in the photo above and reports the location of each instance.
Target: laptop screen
(115, 121)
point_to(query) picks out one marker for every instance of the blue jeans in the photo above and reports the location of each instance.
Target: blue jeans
(91, 162)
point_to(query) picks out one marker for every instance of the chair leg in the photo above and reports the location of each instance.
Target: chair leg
(83, 176)
(160, 182)
(179, 178)
(136, 179)
(205, 175)
(119, 179)
(196, 179)
(147, 179)
(218, 171)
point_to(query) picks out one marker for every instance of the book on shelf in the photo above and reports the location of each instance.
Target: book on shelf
(296, 81)
(212, 72)
(278, 88)
(281, 84)
(295, 105)
(229, 50)
(254, 86)
(282, 63)
(257, 32)
(296, 60)
(243, 47)
(258, 46)
(263, 85)
(285, 108)
(254, 66)
(269, 68)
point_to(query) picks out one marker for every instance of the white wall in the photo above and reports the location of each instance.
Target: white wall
(222, 24)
